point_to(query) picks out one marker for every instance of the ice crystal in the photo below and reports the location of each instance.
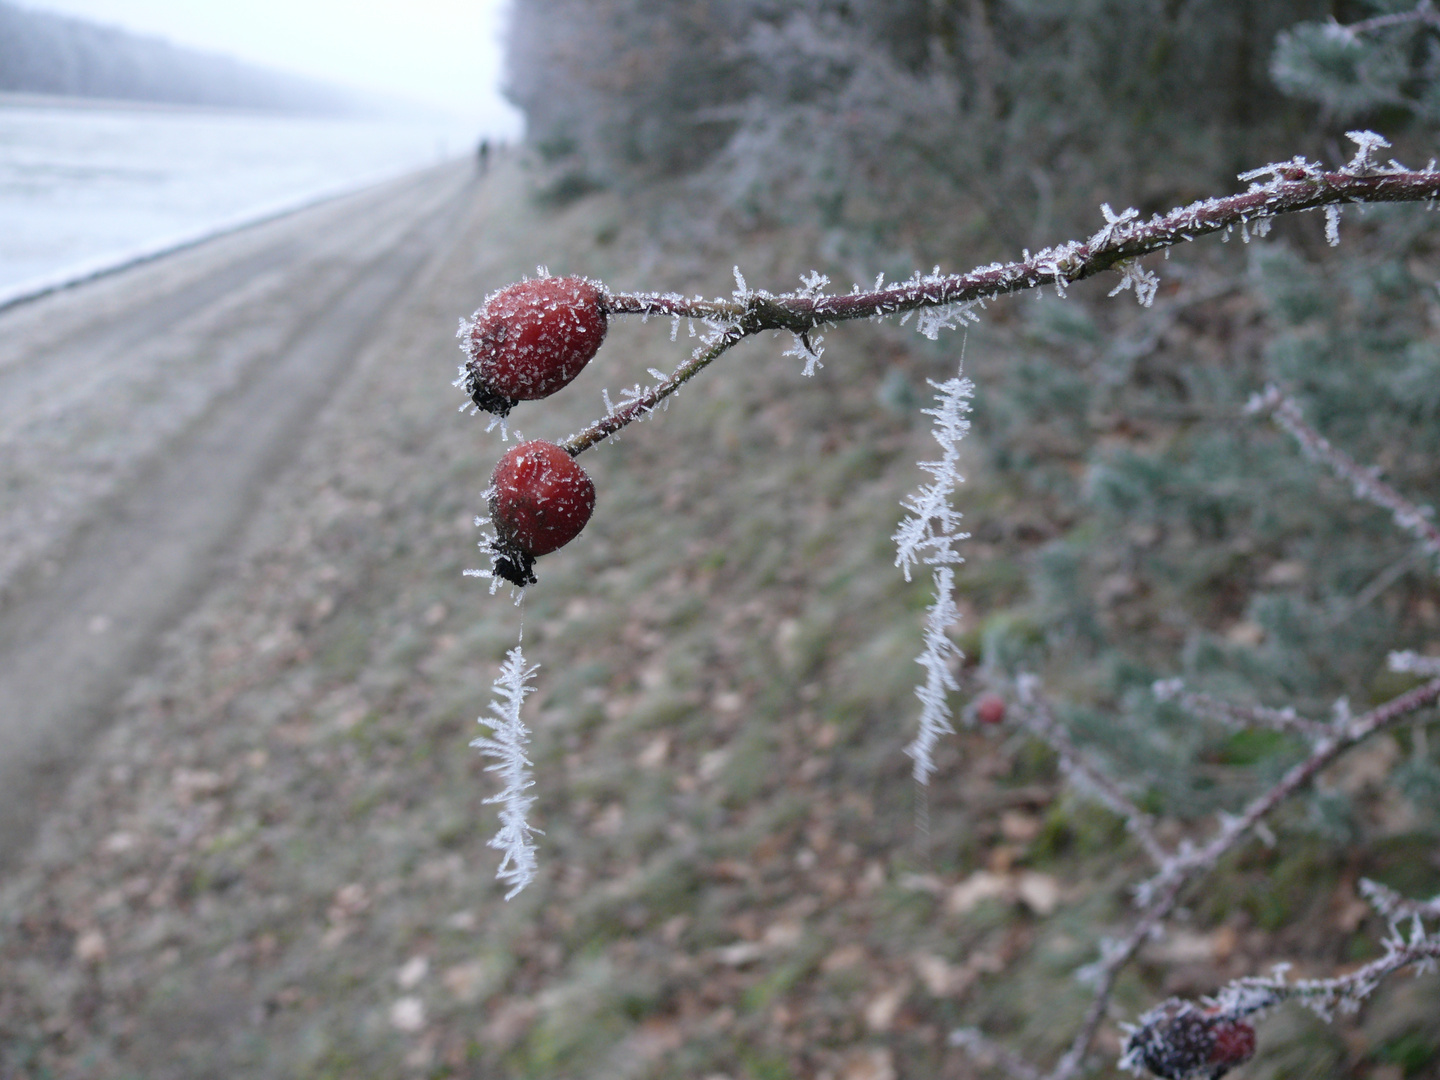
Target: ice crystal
(807, 347)
(1411, 663)
(1146, 283)
(1112, 222)
(1366, 143)
(812, 285)
(930, 321)
(507, 744)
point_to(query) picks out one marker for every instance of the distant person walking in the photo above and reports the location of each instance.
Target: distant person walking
(483, 156)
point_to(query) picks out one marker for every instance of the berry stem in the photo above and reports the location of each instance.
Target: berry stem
(645, 404)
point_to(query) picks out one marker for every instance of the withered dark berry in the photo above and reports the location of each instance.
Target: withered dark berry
(539, 501)
(531, 339)
(1179, 1040)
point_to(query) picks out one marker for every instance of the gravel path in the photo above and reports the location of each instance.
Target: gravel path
(140, 417)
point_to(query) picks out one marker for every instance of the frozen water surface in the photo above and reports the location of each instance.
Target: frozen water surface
(83, 188)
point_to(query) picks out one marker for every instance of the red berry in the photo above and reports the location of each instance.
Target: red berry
(531, 339)
(990, 709)
(539, 501)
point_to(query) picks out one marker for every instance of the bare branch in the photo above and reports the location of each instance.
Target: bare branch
(645, 404)
(1424, 13)
(993, 1054)
(1234, 714)
(1256, 994)
(1037, 716)
(1366, 483)
(1395, 907)
(1159, 896)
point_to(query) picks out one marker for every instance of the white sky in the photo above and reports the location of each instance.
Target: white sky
(441, 53)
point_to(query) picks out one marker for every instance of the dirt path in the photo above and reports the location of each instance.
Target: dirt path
(140, 418)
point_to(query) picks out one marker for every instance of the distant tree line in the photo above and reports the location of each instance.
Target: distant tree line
(856, 112)
(43, 53)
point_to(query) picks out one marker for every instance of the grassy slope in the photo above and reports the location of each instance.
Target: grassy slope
(276, 863)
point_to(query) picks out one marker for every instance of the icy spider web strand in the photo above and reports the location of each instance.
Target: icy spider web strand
(1037, 716)
(1365, 483)
(930, 530)
(1160, 894)
(934, 693)
(507, 744)
(928, 536)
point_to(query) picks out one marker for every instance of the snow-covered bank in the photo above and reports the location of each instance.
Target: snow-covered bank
(84, 192)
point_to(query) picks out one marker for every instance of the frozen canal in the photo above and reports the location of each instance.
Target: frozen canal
(84, 187)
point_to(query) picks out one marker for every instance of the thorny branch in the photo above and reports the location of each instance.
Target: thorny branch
(1366, 483)
(1280, 188)
(1161, 893)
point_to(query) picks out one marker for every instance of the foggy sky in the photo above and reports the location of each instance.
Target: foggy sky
(440, 53)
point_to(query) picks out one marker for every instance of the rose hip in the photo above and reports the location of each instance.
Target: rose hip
(530, 339)
(539, 501)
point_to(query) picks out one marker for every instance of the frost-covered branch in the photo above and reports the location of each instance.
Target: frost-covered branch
(1395, 907)
(943, 300)
(507, 744)
(1366, 483)
(1255, 994)
(1236, 715)
(1158, 896)
(1036, 715)
(643, 405)
(1411, 663)
(990, 1053)
(1424, 12)
(1180, 1039)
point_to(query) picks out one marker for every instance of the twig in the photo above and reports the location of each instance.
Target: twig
(1234, 714)
(1366, 483)
(1036, 715)
(1179, 1039)
(1424, 13)
(1395, 907)
(990, 1052)
(1347, 991)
